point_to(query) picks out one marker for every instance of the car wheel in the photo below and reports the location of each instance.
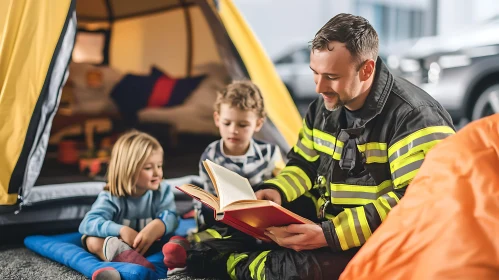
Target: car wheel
(487, 103)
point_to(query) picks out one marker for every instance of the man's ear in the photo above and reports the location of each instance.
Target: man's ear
(259, 124)
(367, 70)
(216, 118)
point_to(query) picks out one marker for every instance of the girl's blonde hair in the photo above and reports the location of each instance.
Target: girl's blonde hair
(127, 159)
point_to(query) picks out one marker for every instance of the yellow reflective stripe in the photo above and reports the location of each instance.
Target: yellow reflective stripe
(374, 152)
(339, 232)
(292, 181)
(359, 188)
(423, 148)
(384, 204)
(351, 201)
(290, 195)
(358, 195)
(372, 146)
(257, 266)
(417, 138)
(327, 144)
(299, 174)
(382, 211)
(405, 180)
(307, 139)
(394, 196)
(232, 262)
(308, 154)
(352, 226)
(366, 230)
(213, 233)
(307, 130)
(197, 238)
(403, 171)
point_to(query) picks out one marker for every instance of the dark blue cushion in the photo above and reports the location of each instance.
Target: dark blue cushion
(66, 249)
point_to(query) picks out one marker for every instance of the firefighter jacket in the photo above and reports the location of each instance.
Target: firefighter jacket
(356, 175)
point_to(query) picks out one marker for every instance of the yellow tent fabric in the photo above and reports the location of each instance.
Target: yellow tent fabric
(447, 224)
(281, 109)
(30, 30)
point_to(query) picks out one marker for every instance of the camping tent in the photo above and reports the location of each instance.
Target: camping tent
(36, 46)
(446, 225)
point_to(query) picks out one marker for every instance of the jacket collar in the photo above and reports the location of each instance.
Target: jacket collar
(380, 90)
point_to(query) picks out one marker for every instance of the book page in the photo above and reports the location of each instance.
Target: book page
(230, 186)
(201, 195)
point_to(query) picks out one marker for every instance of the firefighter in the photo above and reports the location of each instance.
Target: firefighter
(361, 144)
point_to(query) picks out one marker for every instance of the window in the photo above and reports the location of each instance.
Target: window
(89, 47)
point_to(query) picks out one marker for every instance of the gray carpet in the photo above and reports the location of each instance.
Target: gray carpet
(19, 263)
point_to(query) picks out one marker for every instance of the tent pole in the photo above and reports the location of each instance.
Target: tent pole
(188, 27)
(107, 43)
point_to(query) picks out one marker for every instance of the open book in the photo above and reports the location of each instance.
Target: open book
(237, 206)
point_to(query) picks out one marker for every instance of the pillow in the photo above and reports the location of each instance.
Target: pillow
(168, 92)
(157, 89)
(92, 86)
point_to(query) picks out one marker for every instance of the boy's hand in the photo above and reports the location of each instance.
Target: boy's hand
(146, 237)
(269, 194)
(128, 235)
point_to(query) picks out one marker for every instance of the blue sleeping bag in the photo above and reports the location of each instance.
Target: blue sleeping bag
(67, 250)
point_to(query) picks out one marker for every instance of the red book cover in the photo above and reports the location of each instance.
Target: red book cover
(249, 216)
(254, 220)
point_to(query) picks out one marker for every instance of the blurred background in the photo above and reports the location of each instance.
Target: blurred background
(450, 48)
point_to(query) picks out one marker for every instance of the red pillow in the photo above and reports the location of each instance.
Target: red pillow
(168, 92)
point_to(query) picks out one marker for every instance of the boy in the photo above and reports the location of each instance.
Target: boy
(239, 113)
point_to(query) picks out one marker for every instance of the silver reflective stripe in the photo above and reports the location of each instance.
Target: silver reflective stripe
(309, 152)
(376, 153)
(307, 136)
(328, 144)
(417, 142)
(406, 169)
(358, 228)
(365, 195)
(391, 201)
(294, 174)
(292, 184)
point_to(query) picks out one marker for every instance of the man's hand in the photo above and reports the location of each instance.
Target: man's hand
(128, 234)
(298, 237)
(269, 194)
(146, 237)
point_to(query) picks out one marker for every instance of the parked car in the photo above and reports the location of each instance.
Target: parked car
(293, 67)
(461, 71)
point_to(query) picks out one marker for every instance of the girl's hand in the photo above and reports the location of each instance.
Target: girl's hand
(146, 237)
(128, 235)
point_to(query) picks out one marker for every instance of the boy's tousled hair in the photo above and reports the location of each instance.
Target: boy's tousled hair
(243, 95)
(127, 159)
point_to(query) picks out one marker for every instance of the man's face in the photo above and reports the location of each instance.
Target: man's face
(335, 75)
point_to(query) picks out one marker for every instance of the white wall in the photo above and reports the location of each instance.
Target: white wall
(280, 24)
(457, 14)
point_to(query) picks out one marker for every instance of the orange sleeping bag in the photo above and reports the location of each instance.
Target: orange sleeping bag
(447, 224)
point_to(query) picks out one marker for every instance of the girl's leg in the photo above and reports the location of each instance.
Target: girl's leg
(94, 245)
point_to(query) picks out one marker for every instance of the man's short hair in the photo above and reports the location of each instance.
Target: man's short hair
(355, 32)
